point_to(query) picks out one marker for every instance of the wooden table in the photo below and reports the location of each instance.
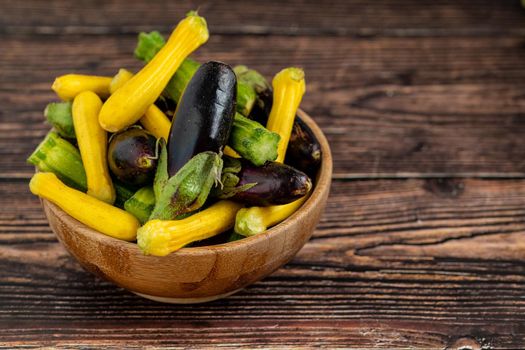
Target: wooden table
(423, 240)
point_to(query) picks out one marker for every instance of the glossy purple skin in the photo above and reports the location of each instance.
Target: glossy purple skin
(132, 156)
(204, 116)
(277, 183)
(304, 151)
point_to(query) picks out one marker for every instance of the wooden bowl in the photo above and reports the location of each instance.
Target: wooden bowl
(199, 274)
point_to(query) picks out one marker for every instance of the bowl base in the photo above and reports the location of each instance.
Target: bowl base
(186, 300)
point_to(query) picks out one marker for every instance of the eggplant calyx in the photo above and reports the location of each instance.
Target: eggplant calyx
(188, 189)
(230, 180)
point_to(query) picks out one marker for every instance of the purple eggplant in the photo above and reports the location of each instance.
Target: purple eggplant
(191, 163)
(304, 151)
(204, 115)
(132, 156)
(271, 184)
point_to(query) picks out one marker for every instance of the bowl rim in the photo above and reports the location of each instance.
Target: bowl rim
(323, 180)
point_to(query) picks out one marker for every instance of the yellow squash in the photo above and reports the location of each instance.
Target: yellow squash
(288, 90)
(129, 103)
(90, 211)
(92, 142)
(254, 220)
(161, 237)
(70, 85)
(153, 120)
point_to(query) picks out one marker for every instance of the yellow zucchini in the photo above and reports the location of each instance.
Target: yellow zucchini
(92, 142)
(254, 220)
(288, 90)
(129, 103)
(90, 211)
(161, 237)
(154, 120)
(118, 81)
(70, 85)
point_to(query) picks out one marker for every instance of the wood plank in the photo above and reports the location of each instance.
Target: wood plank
(333, 17)
(233, 334)
(390, 107)
(393, 263)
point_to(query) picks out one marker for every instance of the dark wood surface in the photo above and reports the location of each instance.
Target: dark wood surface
(422, 244)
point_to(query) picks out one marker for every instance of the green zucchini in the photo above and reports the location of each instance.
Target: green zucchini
(141, 204)
(253, 141)
(59, 115)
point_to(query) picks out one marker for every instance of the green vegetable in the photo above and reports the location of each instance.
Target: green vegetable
(59, 115)
(235, 237)
(56, 155)
(141, 204)
(245, 98)
(123, 193)
(253, 141)
(150, 43)
(188, 189)
(181, 78)
(251, 78)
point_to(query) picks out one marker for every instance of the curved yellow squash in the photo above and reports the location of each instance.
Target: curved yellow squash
(92, 142)
(90, 211)
(161, 237)
(129, 103)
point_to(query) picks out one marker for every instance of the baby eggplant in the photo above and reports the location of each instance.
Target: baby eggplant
(304, 151)
(271, 184)
(132, 156)
(204, 114)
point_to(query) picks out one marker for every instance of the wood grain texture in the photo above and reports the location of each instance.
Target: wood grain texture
(296, 17)
(389, 107)
(392, 263)
(407, 89)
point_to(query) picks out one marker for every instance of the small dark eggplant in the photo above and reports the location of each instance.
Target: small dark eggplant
(271, 184)
(132, 156)
(304, 151)
(204, 115)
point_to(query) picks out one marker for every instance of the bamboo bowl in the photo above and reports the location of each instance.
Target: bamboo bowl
(199, 274)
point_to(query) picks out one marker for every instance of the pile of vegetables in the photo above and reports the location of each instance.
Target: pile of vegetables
(177, 153)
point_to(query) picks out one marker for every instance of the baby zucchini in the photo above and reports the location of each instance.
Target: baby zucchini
(92, 142)
(129, 103)
(90, 211)
(161, 237)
